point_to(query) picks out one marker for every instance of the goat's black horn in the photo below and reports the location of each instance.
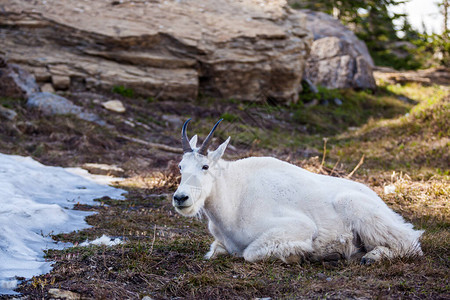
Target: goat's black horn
(204, 148)
(184, 139)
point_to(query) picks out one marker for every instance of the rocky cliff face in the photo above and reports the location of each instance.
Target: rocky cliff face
(174, 49)
(338, 58)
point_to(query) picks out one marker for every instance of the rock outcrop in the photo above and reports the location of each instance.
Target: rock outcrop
(338, 58)
(15, 82)
(173, 49)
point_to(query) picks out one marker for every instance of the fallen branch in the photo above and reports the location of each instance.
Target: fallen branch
(332, 170)
(324, 152)
(153, 145)
(154, 238)
(361, 161)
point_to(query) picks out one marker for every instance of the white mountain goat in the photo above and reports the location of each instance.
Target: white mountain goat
(261, 207)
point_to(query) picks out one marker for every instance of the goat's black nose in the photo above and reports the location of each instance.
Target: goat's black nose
(180, 199)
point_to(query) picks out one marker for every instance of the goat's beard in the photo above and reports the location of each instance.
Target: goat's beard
(191, 211)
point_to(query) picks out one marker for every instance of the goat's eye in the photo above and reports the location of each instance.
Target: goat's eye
(179, 167)
(205, 167)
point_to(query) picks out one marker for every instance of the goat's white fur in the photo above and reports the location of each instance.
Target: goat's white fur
(261, 207)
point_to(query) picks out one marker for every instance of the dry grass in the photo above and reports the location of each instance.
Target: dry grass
(163, 252)
(417, 143)
(425, 202)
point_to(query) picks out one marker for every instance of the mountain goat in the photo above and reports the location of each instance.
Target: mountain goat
(261, 207)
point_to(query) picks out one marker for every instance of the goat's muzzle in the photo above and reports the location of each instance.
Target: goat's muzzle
(181, 201)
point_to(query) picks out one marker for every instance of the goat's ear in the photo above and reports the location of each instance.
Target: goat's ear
(218, 153)
(193, 142)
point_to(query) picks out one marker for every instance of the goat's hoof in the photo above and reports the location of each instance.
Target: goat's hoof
(367, 261)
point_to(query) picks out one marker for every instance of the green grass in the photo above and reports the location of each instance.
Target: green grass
(229, 117)
(124, 91)
(268, 126)
(9, 102)
(356, 109)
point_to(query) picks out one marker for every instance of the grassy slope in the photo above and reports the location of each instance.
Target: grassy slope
(163, 254)
(417, 143)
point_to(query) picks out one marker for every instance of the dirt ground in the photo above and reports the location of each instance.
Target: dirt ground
(162, 256)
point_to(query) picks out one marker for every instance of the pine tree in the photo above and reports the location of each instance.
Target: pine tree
(410, 34)
(444, 5)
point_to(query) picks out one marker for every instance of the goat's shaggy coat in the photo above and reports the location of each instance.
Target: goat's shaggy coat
(261, 207)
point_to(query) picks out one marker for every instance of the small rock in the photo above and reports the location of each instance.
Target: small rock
(129, 123)
(63, 294)
(114, 105)
(147, 298)
(325, 102)
(42, 75)
(337, 101)
(104, 169)
(61, 82)
(51, 104)
(312, 103)
(312, 86)
(47, 88)
(172, 119)
(7, 113)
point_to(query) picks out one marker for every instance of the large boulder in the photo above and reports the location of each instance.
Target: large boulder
(338, 58)
(172, 49)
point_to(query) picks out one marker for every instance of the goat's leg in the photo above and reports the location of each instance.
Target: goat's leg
(383, 233)
(381, 252)
(376, 254)
(216, 249)
(290, 244)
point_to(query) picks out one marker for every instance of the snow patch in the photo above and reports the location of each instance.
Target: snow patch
(35, 202)
(103, 240)
(100, 179)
